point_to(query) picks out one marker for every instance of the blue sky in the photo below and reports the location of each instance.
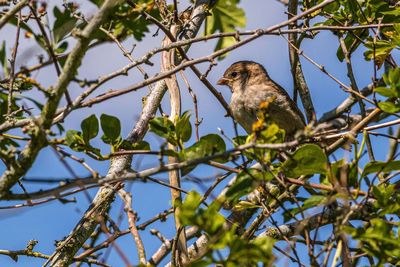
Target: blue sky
(54, 220)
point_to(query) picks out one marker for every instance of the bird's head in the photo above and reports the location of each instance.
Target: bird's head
(243, 73)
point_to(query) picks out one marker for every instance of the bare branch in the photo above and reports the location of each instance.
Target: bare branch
(300, 84)
(5, 18)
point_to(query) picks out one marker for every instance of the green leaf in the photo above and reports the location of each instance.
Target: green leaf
(395, 12)
(308, 159)
(379, 238)
(125, 21)
(378, 50)
(161, 126)
(136, 26)
(141, 145)
(111, 127)
(265, 132)
(311, 202)
(380, 166)
(383, 193)
(3, 58)
(245, 205)
(207, 146)
(385, 91)
(61, 48)
(90, 128)
(226, 17)
(245, 183)
(385, 77)
(183, 127)
(337, 169)
(116, 143)
(392, 89)
(70, 137)
(164, 127)
(257, 252)
(74, 140)
(351, 43)
(389, 107)
(388, 201)
(125, 144)
(341, 168)
(192, 214)
(188, 208)
(239, 140)
(331, 8)
(63, 24)
(394, 75)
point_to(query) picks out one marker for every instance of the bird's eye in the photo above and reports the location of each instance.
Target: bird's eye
(234, 74)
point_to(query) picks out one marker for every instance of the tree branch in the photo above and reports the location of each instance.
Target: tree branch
(5, 18)
(300, 84)
(120, 165)
(39, 139)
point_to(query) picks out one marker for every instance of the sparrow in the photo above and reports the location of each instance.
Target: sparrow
(251, 85)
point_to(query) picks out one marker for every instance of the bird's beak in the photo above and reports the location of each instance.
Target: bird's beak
(222, 81)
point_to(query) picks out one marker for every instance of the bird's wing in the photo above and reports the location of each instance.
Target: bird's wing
(283, 110)
(292, 104)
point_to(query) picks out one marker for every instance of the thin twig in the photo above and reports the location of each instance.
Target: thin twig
(126, 197)
(300, 84)
(354, 86)
(6, 17)
(50, 50)
(12, 67)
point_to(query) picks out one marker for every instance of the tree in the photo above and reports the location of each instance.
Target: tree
(304, 201)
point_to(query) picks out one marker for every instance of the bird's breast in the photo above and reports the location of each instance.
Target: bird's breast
(241, 113)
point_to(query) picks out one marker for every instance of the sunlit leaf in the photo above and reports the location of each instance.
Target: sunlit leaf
(111, 127)
(183, 127)
(226, 17)
(389, 107)
(245, 205)
(384, 91)
(164, 127)
(207, 146)
(308, 159)
(90, 128)
(63, 24)
(380, 166)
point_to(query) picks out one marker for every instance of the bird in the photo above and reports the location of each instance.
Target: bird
(251, 85)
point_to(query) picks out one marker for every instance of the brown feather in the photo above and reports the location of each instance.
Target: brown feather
(250, 86)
